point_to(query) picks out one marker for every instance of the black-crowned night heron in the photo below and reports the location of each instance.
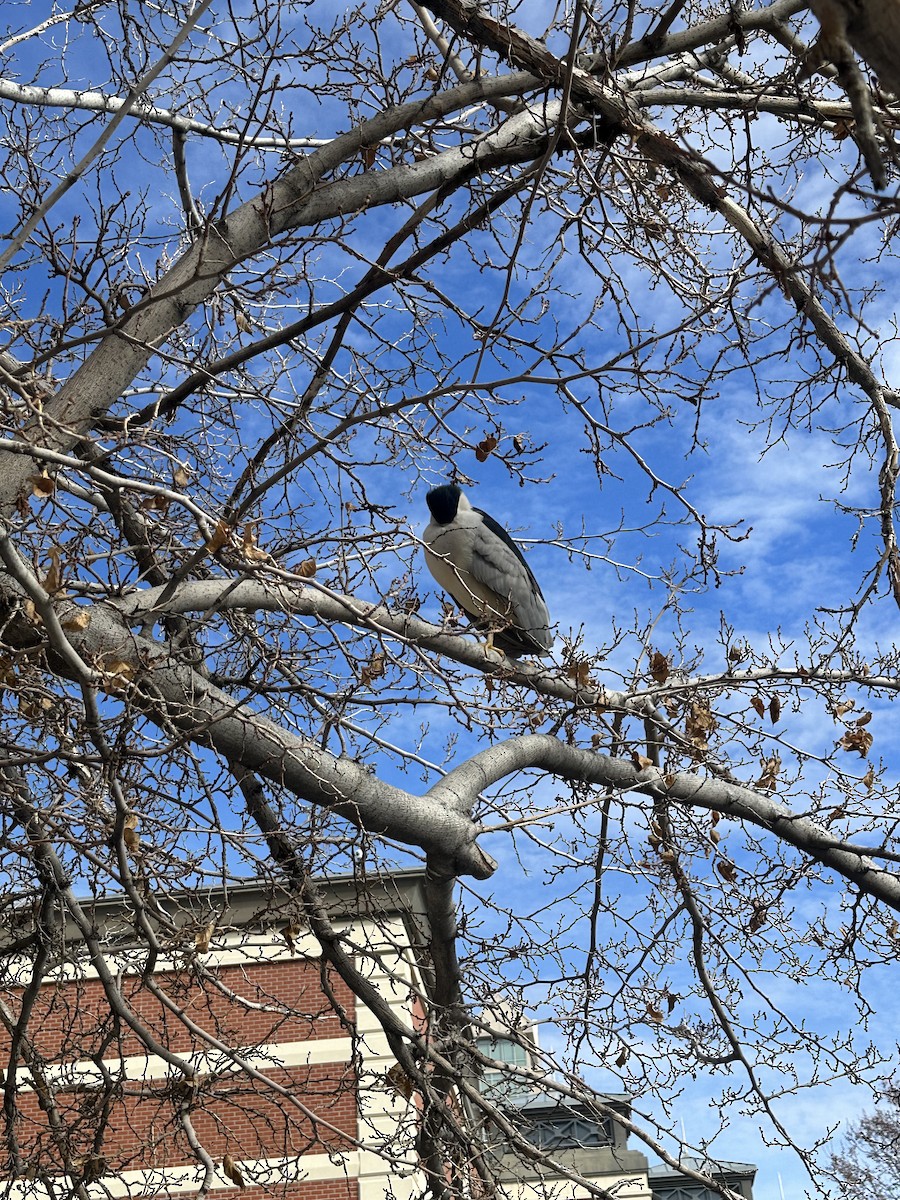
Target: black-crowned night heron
(477, 562)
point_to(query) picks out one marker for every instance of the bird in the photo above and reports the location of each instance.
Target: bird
(473, 558)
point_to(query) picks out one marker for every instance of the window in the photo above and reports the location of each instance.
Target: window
(498, 1084)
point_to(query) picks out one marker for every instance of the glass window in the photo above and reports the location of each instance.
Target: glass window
(498, 1084)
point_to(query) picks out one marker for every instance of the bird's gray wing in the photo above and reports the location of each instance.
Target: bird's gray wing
(498, 564)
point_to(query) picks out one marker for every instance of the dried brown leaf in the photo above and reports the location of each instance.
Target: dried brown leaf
(249, 548)
(699, 724)
(858, 740)
(42, 486)
(759, 918)
(33, 708)
(771, 768)
(52, 581)
(232, 1171)
(155, 503)
(92, 1168)
(486, 447)
(700, 718)
(76, 621)
(841, 130)
(130, 835)
(727, 870)
(374, 669)
(221, 537)
(579, 673)
(118, 671)
(400, 1082)
(289, 932)
(204, 937)
(659, 667)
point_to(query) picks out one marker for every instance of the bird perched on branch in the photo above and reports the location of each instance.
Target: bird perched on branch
(477, 562)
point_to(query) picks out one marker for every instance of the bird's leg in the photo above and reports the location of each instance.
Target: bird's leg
(489, 648)
(488, 623)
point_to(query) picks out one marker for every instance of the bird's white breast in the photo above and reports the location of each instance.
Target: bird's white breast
(448, 555)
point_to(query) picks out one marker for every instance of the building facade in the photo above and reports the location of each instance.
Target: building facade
(234, 1059)
(230, 1057)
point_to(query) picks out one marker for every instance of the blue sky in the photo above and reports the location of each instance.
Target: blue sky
(785, 490)
(795, 561)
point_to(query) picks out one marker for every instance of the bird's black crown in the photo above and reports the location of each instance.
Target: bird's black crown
(443, 502)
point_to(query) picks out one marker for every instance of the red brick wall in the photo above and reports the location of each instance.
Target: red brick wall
(73, 1020)
(135, 1124)
(140, 1127)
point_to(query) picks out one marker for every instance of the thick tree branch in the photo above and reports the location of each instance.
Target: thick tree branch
(311, 599)
(872, 27)
(545, 753)
(705, 33)
(21, 236)
(693, 172)
(460, 788)
(174, 695)
(296, 199)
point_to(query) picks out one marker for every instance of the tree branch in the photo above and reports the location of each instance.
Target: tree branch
(176, 696)
(546, 753)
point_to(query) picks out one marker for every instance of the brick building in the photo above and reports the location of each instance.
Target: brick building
(286, 1083)
(230, 1058)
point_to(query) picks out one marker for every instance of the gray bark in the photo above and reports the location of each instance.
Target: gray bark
(177, 697)
(872, 27)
